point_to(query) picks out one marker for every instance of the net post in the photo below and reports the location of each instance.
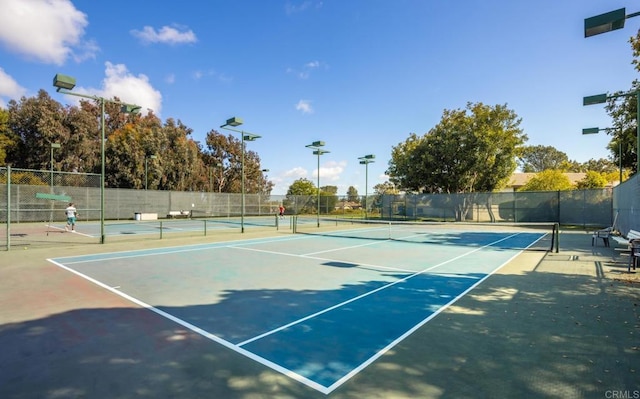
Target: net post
(277, 224)
(205, 227)
(161, 229)
(556, 227)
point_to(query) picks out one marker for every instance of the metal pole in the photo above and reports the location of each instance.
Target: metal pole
(51, 167)
(145, 173)
(366, 184)
(242, 172)
(102, 173)
(318, 217)
(620, 157)
(8, 207)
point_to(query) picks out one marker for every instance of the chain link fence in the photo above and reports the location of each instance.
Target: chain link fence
(21, 202)
(626, 205)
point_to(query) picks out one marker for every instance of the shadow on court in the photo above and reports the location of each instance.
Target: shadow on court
(564, 327)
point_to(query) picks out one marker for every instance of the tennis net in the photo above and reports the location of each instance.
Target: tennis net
(539, 236)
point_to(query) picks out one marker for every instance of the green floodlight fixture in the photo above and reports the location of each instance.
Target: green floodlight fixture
(591, 130)
(597, 99)
(64, 84)
(606, 22)
(61, 81)
(235, 121)
(318, 151)
(246, 136)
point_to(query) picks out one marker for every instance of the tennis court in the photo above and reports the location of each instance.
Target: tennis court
(157, 227)
(318, 308)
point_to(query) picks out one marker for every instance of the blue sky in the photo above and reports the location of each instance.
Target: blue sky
(360, 75)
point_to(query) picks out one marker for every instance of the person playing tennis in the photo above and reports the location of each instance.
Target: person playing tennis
(72, 214)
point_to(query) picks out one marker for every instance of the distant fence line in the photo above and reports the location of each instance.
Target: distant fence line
(596, 207)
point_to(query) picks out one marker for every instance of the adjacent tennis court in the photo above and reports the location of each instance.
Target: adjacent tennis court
(316, 307)
(161, 227)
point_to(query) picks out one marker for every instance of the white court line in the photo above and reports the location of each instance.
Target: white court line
(259, 359)
(293, 323)
(359, 264)
(198, 330)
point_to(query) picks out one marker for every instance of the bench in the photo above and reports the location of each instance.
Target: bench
(632, 241)
(178, 214)
(631, 235)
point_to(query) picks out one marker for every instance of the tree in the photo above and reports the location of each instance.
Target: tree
(302, 187)
(352, 194)
(302, 192)
(548, 180)
(592, 179)
(227, 152)
(36, 122)
(537, 158)
(8, 140)
(385, 188)
(469, 150)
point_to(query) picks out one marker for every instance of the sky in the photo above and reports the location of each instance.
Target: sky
(360, 75)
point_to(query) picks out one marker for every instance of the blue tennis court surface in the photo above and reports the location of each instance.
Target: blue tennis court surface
(317, 309)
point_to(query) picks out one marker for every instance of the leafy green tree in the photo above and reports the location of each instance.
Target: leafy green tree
(302, 187)
(303, 193)
(36, 123)
(352, 194)
(469, 150)
(385, 188)
(227, 152)
(328, 198)
(8, 140)
(548, 180)
(592, 179)
(537, 158)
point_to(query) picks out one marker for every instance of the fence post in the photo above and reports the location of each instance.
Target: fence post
(8, 206)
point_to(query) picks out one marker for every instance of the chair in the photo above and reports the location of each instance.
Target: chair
(604, 234)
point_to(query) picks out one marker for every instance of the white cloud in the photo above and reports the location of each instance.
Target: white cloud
(166, 34)
(304, 106)
(9, 88)
(170, 78)
(331, 171)
(296, 173)
(291, 7)
(120, 83)
(49, 31)
(306, 69)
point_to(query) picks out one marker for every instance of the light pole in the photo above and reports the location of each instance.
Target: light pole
(64, 84)
(608, 22)
(235, 121)
(53, 145)
(602, 98)
(366, 160)
(146, 158)
(596, 130)
(316, 146)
